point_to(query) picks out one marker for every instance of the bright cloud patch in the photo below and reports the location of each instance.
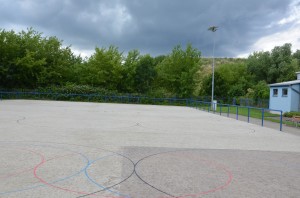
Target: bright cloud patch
(288, 32)
(294, 16)
(291, 35)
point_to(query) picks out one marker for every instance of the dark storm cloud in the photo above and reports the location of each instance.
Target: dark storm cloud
(152, 26)
(240, 22)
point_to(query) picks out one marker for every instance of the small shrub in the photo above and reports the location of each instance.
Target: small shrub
(291, 114)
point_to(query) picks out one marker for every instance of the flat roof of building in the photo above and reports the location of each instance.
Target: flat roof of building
(287, 83)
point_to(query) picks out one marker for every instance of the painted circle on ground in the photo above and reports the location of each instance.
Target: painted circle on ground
(165, 171)
(53, 157)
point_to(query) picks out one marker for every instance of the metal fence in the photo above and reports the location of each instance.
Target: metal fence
(261, 103)
(244, 113)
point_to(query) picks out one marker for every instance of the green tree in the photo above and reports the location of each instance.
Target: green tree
(104, 69)
(281, 68)
(177, 72)
(274, 66)
(60, 62)
(20, 62)
(221, 86)
(231, 80)
(258, 65)
(145, 74)
(29, 60)
(158, 59)
(129, 71)
(296, 57)
(261, 90)
(29, 69)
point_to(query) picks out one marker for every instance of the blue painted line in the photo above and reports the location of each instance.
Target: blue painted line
(99, 185)
(88, 164)
(53, 182)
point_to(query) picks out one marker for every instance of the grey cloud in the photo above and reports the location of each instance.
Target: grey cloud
(241, 22)
(153, 27)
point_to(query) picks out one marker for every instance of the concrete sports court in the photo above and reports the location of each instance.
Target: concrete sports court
(74, 149)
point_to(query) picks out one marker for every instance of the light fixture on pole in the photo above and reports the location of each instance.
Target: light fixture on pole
(213, 29)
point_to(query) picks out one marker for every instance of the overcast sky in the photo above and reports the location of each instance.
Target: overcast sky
(156, 26)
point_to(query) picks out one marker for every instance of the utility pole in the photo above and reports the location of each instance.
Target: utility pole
(213, 29)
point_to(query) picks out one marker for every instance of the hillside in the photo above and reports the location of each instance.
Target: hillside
(206, 63)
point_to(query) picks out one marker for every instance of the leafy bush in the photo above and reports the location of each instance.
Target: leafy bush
(291, 114)
(160, 93)
(77, 89)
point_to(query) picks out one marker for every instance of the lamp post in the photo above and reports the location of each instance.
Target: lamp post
(213, 29)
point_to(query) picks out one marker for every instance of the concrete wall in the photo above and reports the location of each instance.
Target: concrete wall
(280, 102)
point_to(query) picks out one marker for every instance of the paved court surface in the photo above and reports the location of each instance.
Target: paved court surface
(73, 149)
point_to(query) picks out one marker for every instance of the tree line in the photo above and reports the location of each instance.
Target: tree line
(28, 60)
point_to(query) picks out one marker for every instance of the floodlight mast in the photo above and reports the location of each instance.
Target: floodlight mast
(213, 29)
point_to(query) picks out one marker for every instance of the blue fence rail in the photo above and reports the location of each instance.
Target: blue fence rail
(245, 113)
(260, 103)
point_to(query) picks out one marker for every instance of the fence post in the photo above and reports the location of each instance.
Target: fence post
(248, 114)
(220, 109)
(262, 116)
(228, 110)
(213, 106)
(280, 120)
(237, 112)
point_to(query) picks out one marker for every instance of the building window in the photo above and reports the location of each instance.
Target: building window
(275, 92)
(284, 92)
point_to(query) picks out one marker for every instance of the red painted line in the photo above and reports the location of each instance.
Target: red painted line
(227, 183)
(43, 161)
(21, 171)
(57, 187)
(31, 168)
(217, 166)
